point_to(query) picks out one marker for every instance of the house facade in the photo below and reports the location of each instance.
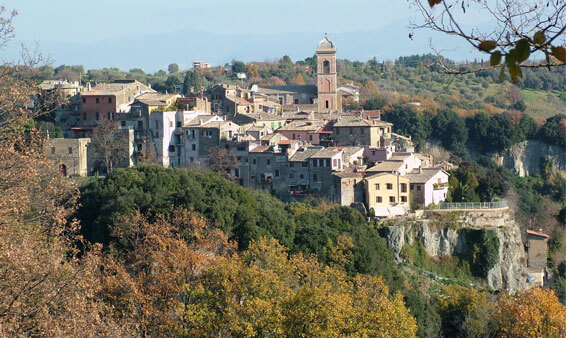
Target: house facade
(70, 156)
(387, 194)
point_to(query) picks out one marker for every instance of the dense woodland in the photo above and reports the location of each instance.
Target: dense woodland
(150, 251)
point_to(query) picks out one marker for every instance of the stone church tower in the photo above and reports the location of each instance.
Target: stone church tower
(328, 99)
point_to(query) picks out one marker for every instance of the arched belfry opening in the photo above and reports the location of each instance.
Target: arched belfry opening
(328, 101)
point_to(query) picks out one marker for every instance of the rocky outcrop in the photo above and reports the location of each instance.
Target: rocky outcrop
(507, 274)
(524, 158)
(510, 271)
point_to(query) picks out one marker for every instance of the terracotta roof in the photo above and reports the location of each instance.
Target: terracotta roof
(302, 125)
(530, 232)
(156, 99)
(347, 174)
(117, 87)
(239, 100)
(259, 149)
(303, 155)
(326, 153)
(386, 166)
(327, 128)
(424, 175)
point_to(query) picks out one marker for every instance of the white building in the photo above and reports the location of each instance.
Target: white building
(428, 185)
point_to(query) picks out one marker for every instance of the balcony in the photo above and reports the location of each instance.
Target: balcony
(440, 186)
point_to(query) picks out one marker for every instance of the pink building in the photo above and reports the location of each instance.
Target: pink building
(303, 130)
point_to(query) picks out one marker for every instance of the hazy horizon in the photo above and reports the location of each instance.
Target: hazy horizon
(149, 35)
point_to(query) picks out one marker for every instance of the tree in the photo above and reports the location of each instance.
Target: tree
(221, 161)
(265, 291)
(465, 312)
(238, 66)
(173, 68)
(524, 29)
(532, 313)
(298, 80)
(110, 146)
(46, 288)
(193, 82)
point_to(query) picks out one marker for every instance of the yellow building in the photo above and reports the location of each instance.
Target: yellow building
(387, 194)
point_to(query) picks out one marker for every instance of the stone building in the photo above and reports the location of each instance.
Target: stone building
(70, 156)
(537, 247)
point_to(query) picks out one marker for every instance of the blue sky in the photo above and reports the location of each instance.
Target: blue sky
(151, 34)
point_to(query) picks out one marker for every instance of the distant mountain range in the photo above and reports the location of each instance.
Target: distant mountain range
(154, 52)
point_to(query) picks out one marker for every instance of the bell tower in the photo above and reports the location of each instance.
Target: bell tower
(326, 77)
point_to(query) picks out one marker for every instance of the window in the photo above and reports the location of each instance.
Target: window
(296, 101)
(327, 162)
(418, 188)
(140, 124)
(97, 100)
(276, 172)
(337, 131)
(403, 199)
(315, 177)
(192, 133)
(403, 187)
(377, 186)
(123, 123)
(334, 162)
(193, 147)
(327, 104)
(314, 163)
(392, 199)
(362, 131)
(412, 187)
(351, 131)
(109, 114)
(52, 150)
(378, 199)
(109, 100)
(389, 186)
(254, 161)
(84, 99)
(302, 176)
(171, 148)
(293, 136)
(291, 164)
(268, 161)
(310, 137)
(97, 116)
(178, 124)
(70, 150)
(326, 67)
(305, 164)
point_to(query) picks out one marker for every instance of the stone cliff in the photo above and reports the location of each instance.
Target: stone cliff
(446, 238)
(524, 158)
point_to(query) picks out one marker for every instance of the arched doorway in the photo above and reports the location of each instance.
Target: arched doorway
(63, 169)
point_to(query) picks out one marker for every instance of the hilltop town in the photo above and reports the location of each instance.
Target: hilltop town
(294, 141)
